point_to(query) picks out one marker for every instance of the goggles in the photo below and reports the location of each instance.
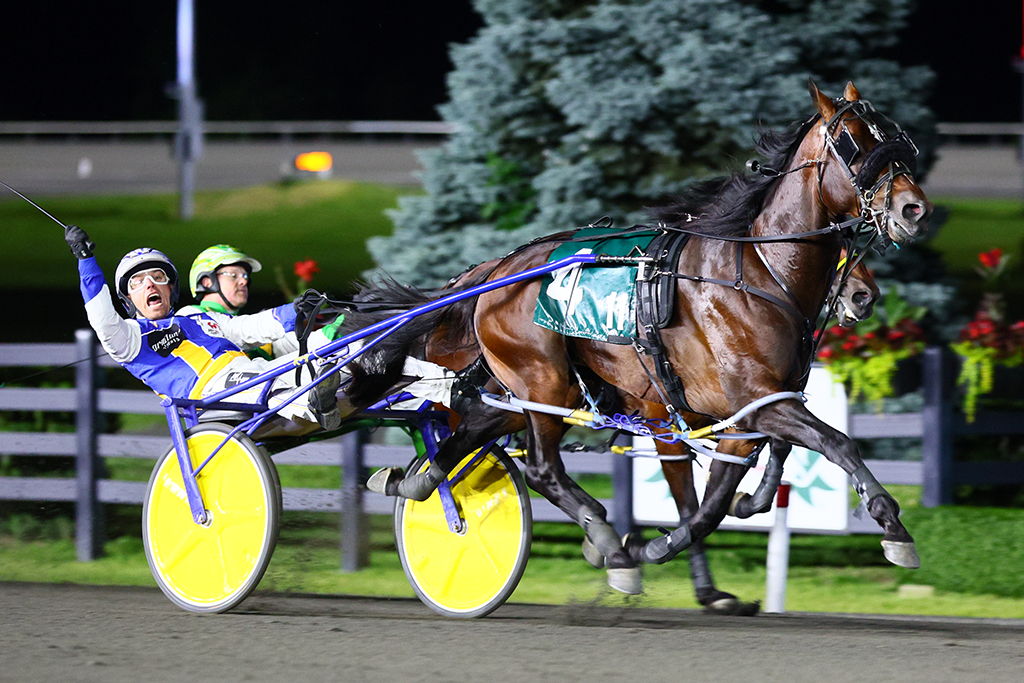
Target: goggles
(234, 275)
(155, 275)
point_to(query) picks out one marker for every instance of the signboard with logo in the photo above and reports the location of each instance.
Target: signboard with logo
(818, 500)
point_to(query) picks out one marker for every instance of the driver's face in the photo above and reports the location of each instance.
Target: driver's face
(153, 301)
(234, 284)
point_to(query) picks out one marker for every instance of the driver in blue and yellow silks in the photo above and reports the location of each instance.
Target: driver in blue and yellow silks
(194, 356)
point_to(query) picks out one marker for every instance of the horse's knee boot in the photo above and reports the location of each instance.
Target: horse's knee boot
(664, 548)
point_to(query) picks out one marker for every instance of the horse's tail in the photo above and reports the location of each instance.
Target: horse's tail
(380, 368)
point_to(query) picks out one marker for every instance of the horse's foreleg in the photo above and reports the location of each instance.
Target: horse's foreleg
(546, 474)
(792, 422)
(723, 478)
(745, 504)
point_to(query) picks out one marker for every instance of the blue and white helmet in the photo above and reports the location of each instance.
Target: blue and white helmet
(138, 260)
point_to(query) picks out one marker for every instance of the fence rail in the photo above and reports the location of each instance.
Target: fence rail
(936, 426)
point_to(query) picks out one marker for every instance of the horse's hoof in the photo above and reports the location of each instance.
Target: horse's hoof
(385, 480)
(592, 555)
(901, 554)
(733, 607)
(628, 581)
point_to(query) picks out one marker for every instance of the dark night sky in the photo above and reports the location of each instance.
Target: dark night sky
(370, 60)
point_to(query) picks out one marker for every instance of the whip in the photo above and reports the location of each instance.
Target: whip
(47, 213)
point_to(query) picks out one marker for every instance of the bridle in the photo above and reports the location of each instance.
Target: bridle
(895, 153)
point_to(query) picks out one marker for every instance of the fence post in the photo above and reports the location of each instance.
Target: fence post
(622, 492)
(355, 536)
(88, 512)
(937, 418)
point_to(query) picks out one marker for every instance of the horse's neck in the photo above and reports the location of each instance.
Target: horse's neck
(793, 206)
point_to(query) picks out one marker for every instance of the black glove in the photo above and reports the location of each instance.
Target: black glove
(81, 245)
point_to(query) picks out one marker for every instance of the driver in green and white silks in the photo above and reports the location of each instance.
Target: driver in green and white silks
(219, 280)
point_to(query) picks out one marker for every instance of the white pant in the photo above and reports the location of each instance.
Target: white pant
(435, 383)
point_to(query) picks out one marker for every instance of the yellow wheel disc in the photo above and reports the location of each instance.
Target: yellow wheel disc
(468, 574)
(212, 567)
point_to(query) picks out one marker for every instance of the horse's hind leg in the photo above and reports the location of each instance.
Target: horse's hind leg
(546, 474)
(792, 422)
(679, 475)
(479, 424)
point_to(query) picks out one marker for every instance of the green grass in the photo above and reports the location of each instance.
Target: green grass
(977, 225)
(328, 221)
(827, 573)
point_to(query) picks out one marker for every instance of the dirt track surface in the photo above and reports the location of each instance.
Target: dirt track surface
(88, 633)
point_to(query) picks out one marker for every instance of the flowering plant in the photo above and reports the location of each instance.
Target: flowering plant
(865, 357)
(304, 271)
(989, 339)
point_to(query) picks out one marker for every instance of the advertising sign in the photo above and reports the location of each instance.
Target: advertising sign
(819, 498)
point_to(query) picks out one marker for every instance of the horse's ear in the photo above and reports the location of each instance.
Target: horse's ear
(851, 94)
(823, 102)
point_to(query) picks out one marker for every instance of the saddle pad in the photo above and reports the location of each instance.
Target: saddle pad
(590, 301)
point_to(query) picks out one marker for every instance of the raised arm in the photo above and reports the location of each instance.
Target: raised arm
(120, 338)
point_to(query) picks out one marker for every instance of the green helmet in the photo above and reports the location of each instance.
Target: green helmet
(212, 258)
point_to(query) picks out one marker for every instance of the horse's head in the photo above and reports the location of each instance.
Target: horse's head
(856, 296)
(868, 161)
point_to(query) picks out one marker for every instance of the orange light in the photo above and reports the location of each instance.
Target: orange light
(314, 162)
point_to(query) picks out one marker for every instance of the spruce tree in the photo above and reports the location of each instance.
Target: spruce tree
(568, 110)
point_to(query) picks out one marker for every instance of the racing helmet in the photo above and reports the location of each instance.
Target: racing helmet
(138, 260)
(212, 258)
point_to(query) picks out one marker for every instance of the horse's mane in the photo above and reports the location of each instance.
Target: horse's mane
(380, 368)
(727, 205)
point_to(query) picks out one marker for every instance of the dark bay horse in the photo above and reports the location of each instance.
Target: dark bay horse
(727, 345)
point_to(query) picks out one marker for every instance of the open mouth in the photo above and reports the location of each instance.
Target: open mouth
(153, 300)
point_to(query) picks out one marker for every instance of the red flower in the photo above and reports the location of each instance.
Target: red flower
(306, 270)
(895, 335)
(826, 353)
(849, 346)
(991, 258)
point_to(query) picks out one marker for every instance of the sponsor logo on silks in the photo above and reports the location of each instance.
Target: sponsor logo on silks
(164, 341)
(210, 327)
(235, 378)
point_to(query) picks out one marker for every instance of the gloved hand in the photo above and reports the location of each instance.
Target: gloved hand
(78, 240)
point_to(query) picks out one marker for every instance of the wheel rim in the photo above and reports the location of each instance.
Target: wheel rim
(211, 567)
(473, 571)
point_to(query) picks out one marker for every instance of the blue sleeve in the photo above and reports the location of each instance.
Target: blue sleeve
(91, 277)
(286, 316)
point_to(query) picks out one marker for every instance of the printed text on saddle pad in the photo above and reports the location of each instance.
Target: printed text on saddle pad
(593, 302)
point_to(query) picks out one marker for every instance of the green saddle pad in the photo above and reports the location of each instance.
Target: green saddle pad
(591, 301)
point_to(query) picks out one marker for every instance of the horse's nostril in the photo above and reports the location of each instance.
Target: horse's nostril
(861, 297)
(913, 212)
